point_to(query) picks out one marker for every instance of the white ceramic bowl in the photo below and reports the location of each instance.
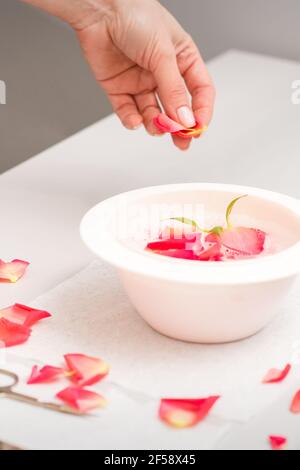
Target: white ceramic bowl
(206, 302)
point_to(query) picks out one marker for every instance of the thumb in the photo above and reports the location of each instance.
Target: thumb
(172, 91)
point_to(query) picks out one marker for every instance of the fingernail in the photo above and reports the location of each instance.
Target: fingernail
(186, 116)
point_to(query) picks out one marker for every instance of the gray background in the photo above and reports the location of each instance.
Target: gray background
(51, 93)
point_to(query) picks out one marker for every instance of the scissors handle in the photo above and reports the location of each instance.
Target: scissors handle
(35, 402)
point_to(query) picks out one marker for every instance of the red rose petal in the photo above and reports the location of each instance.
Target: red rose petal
(170, 244)
(81, 399)
(211, 254)
(195, 131)
(276, 375)
(185, 242)
(249, 241)
(180, 254)
(295, 405)
(86, 370)
(183, 413)
(278, 442)
(12, 334)
(166, 124)
(45, 375)
(23, 315)
(12, 271)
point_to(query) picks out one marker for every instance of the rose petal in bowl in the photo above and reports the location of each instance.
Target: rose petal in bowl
(81, 399)
(12, 334)
(86, 370)
(249, 241)
(12, 271)
(183, 413)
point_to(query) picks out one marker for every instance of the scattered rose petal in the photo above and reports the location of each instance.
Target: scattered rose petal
(166, 124)
(183, 413)
(23, 315)
(86, 370)
(12, 334)
(81, 399)
(12, 271)
(295, 406)
(278, 442)
(249, 241)
(277, 375)
(45, 375)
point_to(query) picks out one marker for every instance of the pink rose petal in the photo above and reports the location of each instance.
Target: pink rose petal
(295, 405)
(183, 413)
(276, 375)
(12, 334)
(23, 315)
(249, 241)
(180, 254)
(12, 271)
(86, 370)
(278, 442)
(166, 124)
(45, 375)
(81, 399)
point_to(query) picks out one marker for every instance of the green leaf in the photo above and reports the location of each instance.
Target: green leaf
(187, 221)
(230, 207)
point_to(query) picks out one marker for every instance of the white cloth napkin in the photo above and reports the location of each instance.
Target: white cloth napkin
(92, 315)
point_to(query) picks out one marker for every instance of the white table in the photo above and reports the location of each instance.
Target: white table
(253, 140)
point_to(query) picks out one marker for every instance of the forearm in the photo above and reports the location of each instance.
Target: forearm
(78, 13)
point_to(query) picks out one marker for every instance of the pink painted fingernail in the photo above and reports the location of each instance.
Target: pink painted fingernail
(186, 116)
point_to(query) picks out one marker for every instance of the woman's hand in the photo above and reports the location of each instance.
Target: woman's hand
(142, 58)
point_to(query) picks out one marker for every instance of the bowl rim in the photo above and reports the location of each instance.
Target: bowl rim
(283, 264)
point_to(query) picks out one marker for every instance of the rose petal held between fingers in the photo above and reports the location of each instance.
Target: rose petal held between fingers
(166, 124)
(295, 405)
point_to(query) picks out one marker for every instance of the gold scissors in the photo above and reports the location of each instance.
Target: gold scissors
(8, 392)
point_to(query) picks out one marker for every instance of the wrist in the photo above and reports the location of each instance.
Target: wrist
(77, 13)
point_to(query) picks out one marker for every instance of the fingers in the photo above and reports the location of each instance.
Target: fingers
(199, 83)
(149, 108)
(126, 108)
(172, 91)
